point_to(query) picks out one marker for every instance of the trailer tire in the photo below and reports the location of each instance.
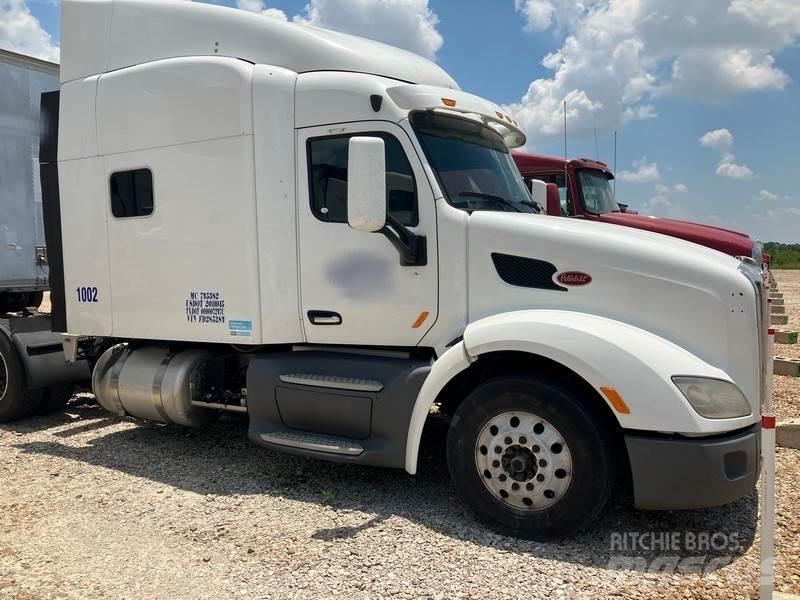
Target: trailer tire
(528, 456)
(55, 398)
(16, 400)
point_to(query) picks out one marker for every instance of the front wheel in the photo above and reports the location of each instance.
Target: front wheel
(529, 458)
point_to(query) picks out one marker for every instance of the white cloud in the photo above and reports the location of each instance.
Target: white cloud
(727, 167)
(722, 141)
(765, 195)
(719, 74)
(662, 205)
(719, 139)
(257, 6)
(538, 13)
(620, 57)
(21, 32)
(643, 172)
(409, 24)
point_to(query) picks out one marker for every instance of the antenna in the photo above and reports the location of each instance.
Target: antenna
(596, 147)
(566, 160)
(615, 165)
(565, 131)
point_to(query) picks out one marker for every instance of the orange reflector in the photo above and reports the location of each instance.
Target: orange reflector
(448, 102)
(616, 400)
(420, 319)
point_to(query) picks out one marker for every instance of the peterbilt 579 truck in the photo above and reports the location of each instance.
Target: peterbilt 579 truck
(584, 188)
(327, 234)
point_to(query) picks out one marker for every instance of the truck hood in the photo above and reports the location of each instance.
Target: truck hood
(693, 296)
(728, 241)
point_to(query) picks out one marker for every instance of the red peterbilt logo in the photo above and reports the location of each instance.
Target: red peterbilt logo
(574, 278)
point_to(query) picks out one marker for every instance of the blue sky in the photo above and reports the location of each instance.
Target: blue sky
(662, 76)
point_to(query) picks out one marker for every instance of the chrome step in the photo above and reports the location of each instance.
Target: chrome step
(317, 443)
(332, 381)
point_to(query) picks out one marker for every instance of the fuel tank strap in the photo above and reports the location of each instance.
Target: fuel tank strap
(157, 380)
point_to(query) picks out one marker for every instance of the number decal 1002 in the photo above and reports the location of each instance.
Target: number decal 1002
(86, 294)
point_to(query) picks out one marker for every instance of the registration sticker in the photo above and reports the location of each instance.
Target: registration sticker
(242, 329)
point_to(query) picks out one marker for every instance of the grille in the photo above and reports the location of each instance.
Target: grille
(526, 272)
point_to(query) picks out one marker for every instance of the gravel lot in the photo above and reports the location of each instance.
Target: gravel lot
(787, 389)
(96, 506)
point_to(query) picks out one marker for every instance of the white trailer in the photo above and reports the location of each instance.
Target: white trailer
(33, 375)
(326, 233)
(23, 255)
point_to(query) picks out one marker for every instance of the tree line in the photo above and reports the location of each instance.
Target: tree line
(784, 256)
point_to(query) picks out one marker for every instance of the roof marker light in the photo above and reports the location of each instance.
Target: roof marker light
(448, 102)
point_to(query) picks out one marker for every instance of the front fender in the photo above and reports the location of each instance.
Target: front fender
(605, 353)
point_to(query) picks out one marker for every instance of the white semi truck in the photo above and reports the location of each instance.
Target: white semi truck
(326, 233)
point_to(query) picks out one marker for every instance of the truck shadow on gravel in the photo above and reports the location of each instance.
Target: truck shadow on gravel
(220, 460)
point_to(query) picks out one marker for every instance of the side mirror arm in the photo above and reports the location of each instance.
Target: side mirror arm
(413, 248)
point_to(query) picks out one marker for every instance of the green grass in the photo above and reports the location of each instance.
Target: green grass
(784, 256)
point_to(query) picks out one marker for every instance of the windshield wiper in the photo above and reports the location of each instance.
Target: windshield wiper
(491, 197)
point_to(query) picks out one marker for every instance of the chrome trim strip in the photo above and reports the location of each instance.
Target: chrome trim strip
(332, 381)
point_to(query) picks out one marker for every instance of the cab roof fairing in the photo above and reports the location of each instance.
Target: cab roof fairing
(99, 36)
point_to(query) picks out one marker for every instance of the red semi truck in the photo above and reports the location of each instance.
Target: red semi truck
(584, 187)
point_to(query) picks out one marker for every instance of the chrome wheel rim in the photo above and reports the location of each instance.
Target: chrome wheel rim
(3, 377)
(523, 460)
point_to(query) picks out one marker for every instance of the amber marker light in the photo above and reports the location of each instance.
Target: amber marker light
(420, 319)
(448, 102)
(616, 400)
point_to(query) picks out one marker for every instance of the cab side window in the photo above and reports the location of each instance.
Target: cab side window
(327, 168)
(560, 180)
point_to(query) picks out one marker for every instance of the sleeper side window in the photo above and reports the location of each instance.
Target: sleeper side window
(132, 193)
(327, 168)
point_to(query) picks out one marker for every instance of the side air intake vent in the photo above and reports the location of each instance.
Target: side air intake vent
(526, 272)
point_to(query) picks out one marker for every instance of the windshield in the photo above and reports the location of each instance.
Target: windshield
(596, 192)
(473, 164)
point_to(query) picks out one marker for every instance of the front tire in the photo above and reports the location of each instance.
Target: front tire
(529, 458)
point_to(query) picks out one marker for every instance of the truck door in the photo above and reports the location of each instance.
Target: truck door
(353, 288)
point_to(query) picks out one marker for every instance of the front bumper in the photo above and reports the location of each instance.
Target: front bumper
(688, 473)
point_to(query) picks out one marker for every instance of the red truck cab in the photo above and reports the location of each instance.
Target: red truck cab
(585, 190)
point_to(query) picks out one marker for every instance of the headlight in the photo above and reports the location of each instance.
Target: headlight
(713, 398)
(758, 252)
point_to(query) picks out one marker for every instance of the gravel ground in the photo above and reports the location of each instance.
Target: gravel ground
(787, 389)
(95, 506)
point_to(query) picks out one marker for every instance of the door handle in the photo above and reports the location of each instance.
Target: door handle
(324, 317)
